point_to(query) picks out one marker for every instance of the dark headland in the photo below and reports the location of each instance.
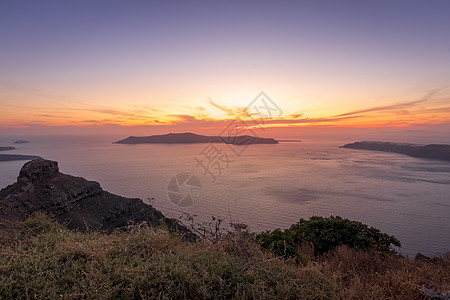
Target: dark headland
(80, 203)
(12, 157)
(192, 138)
(290, 141)
(432, 151)
(7, 148)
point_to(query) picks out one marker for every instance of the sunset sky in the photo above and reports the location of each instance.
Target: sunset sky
(145, 67)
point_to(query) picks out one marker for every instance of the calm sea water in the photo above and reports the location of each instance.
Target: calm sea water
(269, 186)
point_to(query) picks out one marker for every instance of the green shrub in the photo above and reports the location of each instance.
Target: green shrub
(325, 234)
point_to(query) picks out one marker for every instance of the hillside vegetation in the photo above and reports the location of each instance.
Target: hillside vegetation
(41, 259)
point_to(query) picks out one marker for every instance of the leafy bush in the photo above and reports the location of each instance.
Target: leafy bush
(325, 234)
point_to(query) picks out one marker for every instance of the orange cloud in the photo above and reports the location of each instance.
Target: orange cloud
(429, 109)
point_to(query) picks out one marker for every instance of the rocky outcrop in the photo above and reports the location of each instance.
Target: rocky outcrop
(79, 203)
(432, 151)
(39, 170)
(192, 138)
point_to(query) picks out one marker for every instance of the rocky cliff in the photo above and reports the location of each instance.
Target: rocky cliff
(432, 151)
(80, 203)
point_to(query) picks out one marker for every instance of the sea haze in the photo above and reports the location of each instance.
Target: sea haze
(269, 186)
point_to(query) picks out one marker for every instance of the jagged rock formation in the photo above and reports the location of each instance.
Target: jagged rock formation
(433, 151)
(80, 203)
(191, 138)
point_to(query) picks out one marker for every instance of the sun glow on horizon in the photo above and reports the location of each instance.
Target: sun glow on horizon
(421, 110)
(157, 66)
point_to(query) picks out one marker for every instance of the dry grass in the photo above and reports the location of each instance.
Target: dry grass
(45, 260)
(386, 276)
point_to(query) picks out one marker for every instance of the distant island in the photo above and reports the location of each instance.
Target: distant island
(12, 157)
(290, 141)
(192, 138)
(433, 151)
(7, 148)
(21, 142)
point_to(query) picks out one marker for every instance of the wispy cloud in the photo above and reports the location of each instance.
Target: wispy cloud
(426, 109)
(396, 106)
(393, 114)
(184, 118)
(296, 116)
(122, 113)
(382, 108)
(52, 116)
(231, 112)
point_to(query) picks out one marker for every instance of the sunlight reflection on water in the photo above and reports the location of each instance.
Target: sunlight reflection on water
(272, 186)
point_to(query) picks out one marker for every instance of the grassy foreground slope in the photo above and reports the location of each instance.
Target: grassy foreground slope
(41, 259)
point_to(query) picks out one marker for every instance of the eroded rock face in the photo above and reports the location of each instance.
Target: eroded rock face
(80, 203)
(38, 169)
